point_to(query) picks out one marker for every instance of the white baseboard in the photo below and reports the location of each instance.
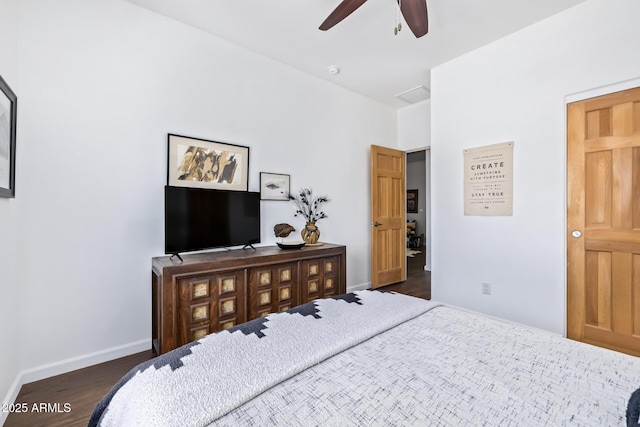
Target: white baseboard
(62, 367)
(79, 362)
(360, 287)
(11, 396)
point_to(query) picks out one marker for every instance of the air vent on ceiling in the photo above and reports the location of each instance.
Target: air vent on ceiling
(414, 95)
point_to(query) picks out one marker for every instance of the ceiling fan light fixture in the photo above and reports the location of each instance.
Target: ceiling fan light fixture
(417, 94)
(414, 13)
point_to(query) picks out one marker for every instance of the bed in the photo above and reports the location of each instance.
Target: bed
(377, 359)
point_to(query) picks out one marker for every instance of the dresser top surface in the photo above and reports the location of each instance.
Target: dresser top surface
(249, 255)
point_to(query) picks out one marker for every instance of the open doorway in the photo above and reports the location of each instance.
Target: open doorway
(419, 221)
(418, 243)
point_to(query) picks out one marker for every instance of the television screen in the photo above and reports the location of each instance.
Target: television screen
(197, 219)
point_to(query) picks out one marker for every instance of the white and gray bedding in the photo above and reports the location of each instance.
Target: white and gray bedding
(373, 358)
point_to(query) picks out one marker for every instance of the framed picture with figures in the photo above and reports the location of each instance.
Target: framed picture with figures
(201, 163)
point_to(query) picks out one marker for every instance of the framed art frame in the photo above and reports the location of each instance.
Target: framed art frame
(8, 112)
(412, 201)
(200, 163)
(274, 186)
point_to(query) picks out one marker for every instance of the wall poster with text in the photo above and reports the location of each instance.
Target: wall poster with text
(488, 180)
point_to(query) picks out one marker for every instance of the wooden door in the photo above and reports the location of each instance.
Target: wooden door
(603, 218)
(388, 211)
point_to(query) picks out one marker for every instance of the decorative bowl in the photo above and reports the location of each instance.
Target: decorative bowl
(290, 245)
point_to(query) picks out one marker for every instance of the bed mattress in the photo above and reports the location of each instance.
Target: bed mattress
(377, 359)
(452, 368)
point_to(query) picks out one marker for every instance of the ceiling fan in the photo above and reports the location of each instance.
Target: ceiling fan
(414, 12)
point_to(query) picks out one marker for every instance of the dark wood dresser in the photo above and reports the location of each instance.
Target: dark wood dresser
(212, 291)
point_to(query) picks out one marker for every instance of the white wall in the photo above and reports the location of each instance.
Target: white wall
(514, 90)
(414, 126)
(102, 83)
(9, 239)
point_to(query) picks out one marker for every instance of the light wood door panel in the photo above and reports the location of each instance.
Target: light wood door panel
(388, 213)
(603, 166)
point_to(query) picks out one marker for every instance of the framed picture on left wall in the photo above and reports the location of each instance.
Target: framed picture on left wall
(8, 111)
(201, 163)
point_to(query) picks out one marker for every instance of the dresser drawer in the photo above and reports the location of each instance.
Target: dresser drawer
(320, 278)
(272, 289)
(209, 303)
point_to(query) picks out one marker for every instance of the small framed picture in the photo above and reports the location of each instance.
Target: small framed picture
(201, 163)
(412, 201)
(274, 186)
(8, 111)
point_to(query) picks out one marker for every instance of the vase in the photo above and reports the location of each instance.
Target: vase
(310, 233)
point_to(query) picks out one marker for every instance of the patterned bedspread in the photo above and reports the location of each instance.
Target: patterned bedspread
(197, 383)
(452, 368)
(393, 361)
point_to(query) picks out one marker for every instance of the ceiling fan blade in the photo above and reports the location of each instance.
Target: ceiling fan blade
(344, 9)
(415, 13)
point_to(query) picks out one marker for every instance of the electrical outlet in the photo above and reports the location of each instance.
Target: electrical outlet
(486, 288)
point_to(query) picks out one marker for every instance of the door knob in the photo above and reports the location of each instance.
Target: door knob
(376, 224)
(576, 234)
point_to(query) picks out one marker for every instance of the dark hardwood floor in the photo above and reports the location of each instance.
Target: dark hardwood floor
(83, 388)
(80, 389)
(418, 282)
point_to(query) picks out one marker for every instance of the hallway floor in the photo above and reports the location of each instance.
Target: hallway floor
(418, 281)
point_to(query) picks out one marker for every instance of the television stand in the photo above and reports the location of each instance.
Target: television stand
(248, 245)
(176, 255)
(212, 291)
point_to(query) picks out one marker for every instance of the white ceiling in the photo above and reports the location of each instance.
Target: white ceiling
(371, 59)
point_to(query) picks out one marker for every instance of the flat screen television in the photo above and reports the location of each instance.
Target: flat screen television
(197, 219)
